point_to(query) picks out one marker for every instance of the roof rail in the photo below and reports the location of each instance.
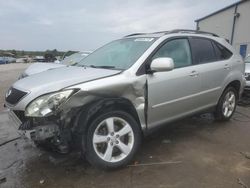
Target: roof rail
(191, 31)
(133, 34)
(176, 31)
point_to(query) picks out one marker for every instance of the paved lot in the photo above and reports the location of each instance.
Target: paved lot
(195, 152)
(8, 74)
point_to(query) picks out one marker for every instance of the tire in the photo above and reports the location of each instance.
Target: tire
(112, 145)
(226, 105)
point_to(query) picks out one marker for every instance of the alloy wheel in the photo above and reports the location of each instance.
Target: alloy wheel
(229, 104)
(113, 139)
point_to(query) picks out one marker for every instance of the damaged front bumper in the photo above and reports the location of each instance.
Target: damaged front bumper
(15, 121)
(247, 86)
(40, 133)
(36, 133)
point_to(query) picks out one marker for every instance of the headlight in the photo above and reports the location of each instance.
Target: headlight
(46, 104)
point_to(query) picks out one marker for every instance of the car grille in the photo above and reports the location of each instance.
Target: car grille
(247, 76)
(13, 96)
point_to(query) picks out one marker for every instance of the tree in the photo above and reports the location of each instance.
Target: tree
(22, 53)
(14, 52)
(49, 57)
(54, 52)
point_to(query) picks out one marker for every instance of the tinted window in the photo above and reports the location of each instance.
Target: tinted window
(203, 51)
(178, 50)
(222, 53)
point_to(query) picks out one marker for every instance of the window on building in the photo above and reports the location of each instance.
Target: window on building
(243, 50)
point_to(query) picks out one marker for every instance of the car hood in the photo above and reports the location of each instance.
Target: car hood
(40, 67)
(59, 78)
(247, 67)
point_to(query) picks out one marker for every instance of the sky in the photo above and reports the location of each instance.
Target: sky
(87, 24)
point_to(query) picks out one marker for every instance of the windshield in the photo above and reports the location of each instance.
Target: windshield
(119, 54)
(74, 58)
(247, 60)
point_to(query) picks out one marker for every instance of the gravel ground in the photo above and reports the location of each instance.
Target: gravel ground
(195, 152)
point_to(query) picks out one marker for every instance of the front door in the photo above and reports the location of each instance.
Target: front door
(172, 94)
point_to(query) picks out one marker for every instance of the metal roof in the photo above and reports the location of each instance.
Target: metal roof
(221, 10)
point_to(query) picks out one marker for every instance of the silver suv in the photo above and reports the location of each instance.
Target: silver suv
(107, 102)
(247, 73)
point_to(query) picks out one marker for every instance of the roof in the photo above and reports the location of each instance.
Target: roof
(221, 10)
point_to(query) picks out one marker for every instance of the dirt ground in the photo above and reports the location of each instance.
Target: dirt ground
(192, 153)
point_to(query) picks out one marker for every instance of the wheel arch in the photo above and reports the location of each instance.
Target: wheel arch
(236, 84)
(89, 111)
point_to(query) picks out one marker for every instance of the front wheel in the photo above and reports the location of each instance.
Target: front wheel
(112, 140)
(227, 104)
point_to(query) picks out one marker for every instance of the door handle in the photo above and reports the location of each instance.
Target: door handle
(194, 73)
(226, 66)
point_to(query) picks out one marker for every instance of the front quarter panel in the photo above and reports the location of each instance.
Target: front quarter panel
(123, 85)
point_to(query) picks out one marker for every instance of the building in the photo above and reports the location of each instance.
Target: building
(231, 23)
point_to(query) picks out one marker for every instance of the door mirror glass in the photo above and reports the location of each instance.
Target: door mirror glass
(162, 64)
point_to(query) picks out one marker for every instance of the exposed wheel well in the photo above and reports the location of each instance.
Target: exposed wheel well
(236, 85)
(90, 111)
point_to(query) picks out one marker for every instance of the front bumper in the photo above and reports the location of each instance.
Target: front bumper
(247, 86)
(35, 133)
(15, 121)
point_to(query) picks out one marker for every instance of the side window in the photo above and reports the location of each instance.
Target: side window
(203, 51)
(178, 50)
(221, 52)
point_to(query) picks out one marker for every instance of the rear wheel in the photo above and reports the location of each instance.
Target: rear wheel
(112, 140)
(227, 104)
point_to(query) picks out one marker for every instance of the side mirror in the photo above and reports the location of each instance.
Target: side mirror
(162, 64)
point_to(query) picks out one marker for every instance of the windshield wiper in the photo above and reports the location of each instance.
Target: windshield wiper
(103, 66)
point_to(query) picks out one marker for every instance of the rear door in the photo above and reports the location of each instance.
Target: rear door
(211, 61)
(172, 94)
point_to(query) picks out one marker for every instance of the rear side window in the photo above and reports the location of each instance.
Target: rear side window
(203, 50)
(178, 50)
(221, 52)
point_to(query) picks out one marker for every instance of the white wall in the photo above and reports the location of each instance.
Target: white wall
(242, 27)
(222, 24)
